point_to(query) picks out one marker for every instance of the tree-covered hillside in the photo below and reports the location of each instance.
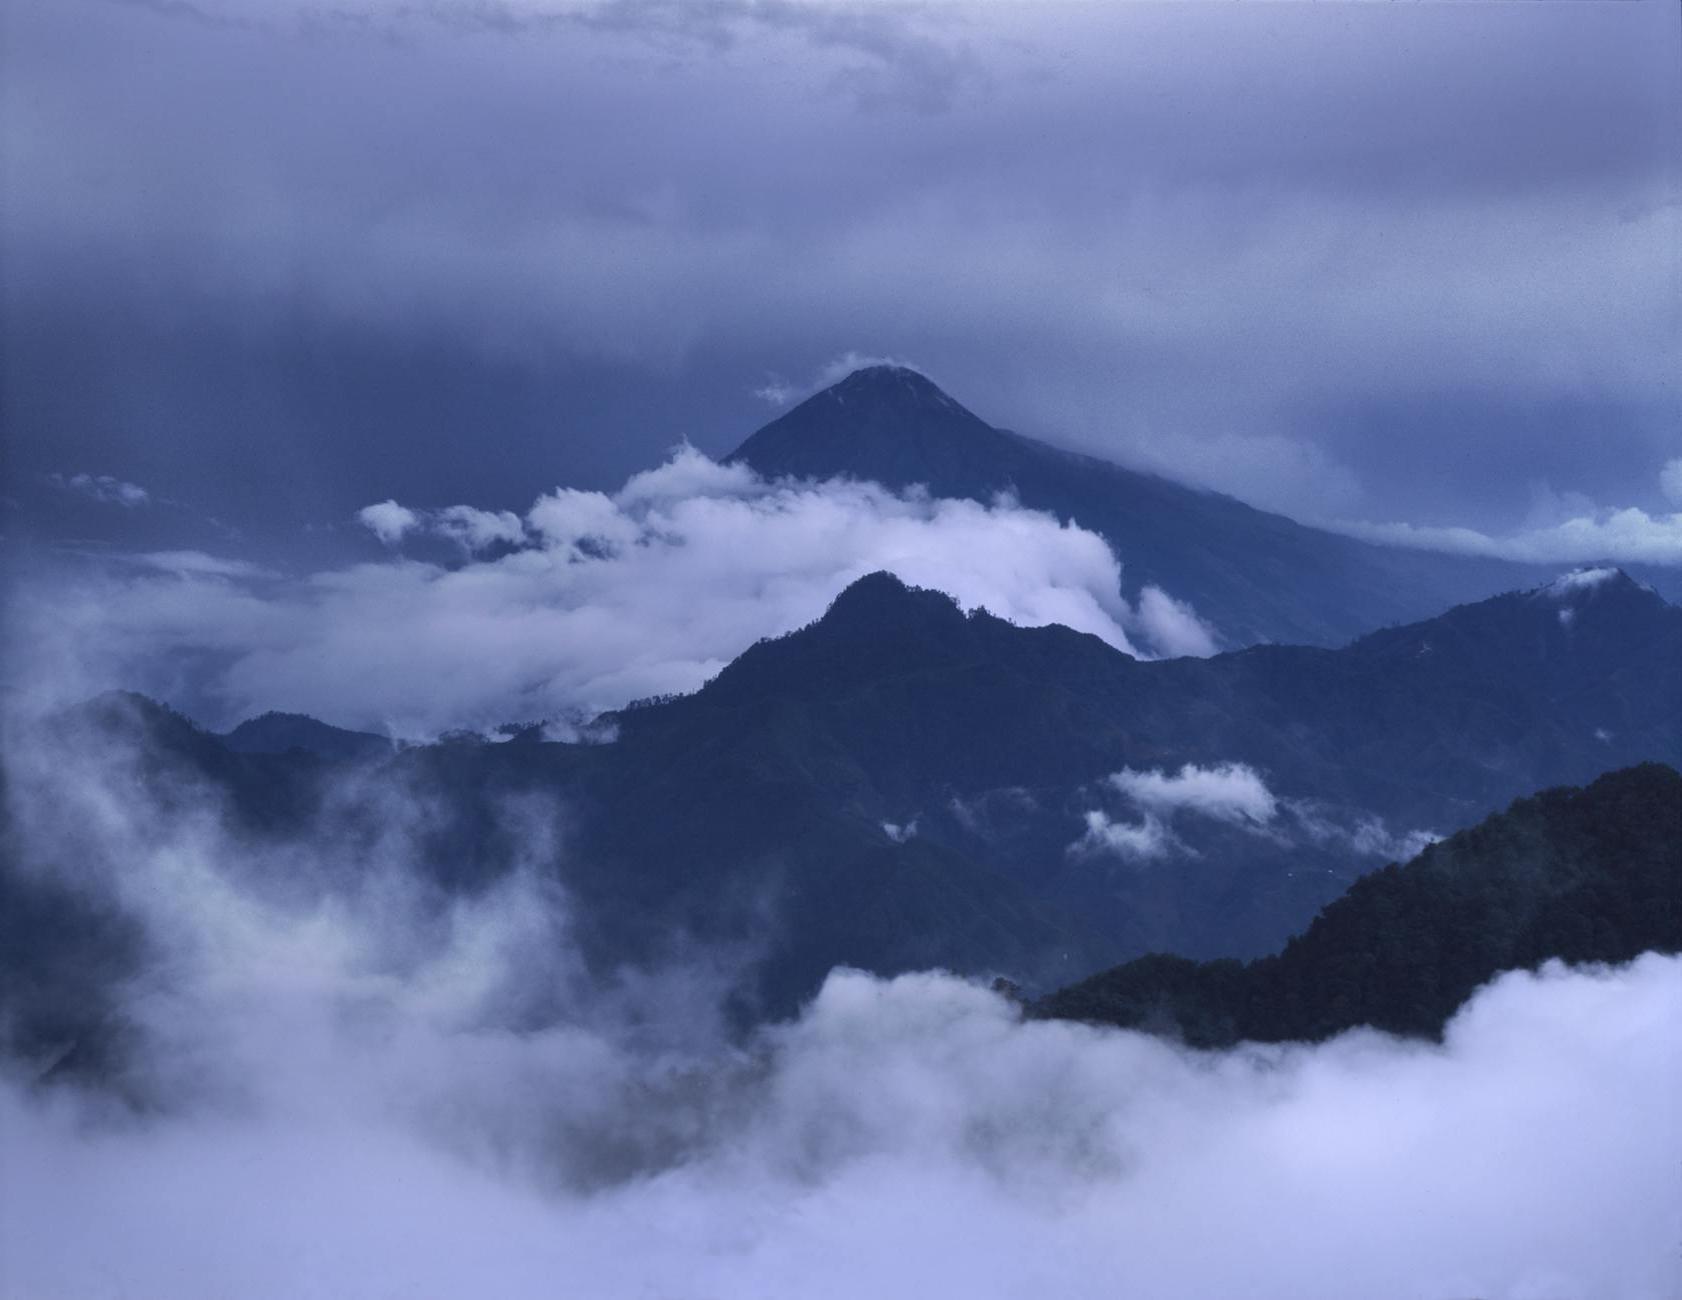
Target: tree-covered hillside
(1585, 875)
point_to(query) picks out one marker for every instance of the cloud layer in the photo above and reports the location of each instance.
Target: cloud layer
(1627, 536)
(906, 1138)
(361, 1088)
(1291, 257)
(587, 602)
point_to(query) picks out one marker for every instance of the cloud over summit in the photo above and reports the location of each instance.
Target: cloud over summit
(1079, 216)
(587, 602)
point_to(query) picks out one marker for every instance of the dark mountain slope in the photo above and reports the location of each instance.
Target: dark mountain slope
(1258, 577)
(1585, 875)
(993, 740)
(1467, 702)
(276, 733)
(902, 785)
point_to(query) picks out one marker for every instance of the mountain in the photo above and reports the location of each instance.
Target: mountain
(1584, 875)
(1258, 577)
(902, 785)
(276, 733)
(996, 743)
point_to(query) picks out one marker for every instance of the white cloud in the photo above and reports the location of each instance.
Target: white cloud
(1362, 833)
(1229, 792)
(1146, 840)
(1373, 838)
(388, 521)
(198, 564)
(902, 1138)
(568, 519)
(838, 368)
(478, 530)
(776, 392)
(104, 489)
(688, 473)
(373, 1091)
(1580, 580)
(606, 599)
(1226, 792)
(1627, 536)
(471, 529)
(1172, 626)
(1670, 479)
(1235, 794)
(899, 833)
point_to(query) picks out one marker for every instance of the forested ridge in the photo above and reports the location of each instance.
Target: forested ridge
(1582, 875)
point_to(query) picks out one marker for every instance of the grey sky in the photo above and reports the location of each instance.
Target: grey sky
(1393, 263)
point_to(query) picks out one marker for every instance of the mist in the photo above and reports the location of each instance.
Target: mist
(342, 1079)
(471, 618)
(336, 341)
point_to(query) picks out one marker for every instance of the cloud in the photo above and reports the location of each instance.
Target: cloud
(905, 1137)
(1627, 536)
(1173, 626)
(1224, 792)
(1232, 794)
(1229, 792)
(776, 392)
(1580, 580)
(780, 392)
(593, 600)
(1372, 838)
(1134, 199)
(388, 521)
(1357, 832)
(898, 833)
(438, 1099)
(104, 489)
(199, 565)
(838, 368)
(1146, 840)
(352, 1082)
(1670, 479)
(478, 530)
(471, 529)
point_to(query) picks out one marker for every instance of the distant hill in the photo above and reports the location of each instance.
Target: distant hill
(1258, 577)
(1585, 875)
(276, 733)
(993, 743)
(901, 785)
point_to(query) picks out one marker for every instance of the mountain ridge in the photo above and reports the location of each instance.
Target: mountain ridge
(900, 784)
(1259, 577)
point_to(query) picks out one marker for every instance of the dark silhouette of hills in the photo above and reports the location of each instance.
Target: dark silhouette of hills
(897, 708)
(1258, 577)
(276, 733)
(901, 785)
(1584, 875)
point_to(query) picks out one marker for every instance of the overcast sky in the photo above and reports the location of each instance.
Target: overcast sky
(268, 262)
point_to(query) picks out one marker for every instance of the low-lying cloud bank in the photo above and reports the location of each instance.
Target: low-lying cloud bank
(357, 1085)
(905, 1137)
(587, 602)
